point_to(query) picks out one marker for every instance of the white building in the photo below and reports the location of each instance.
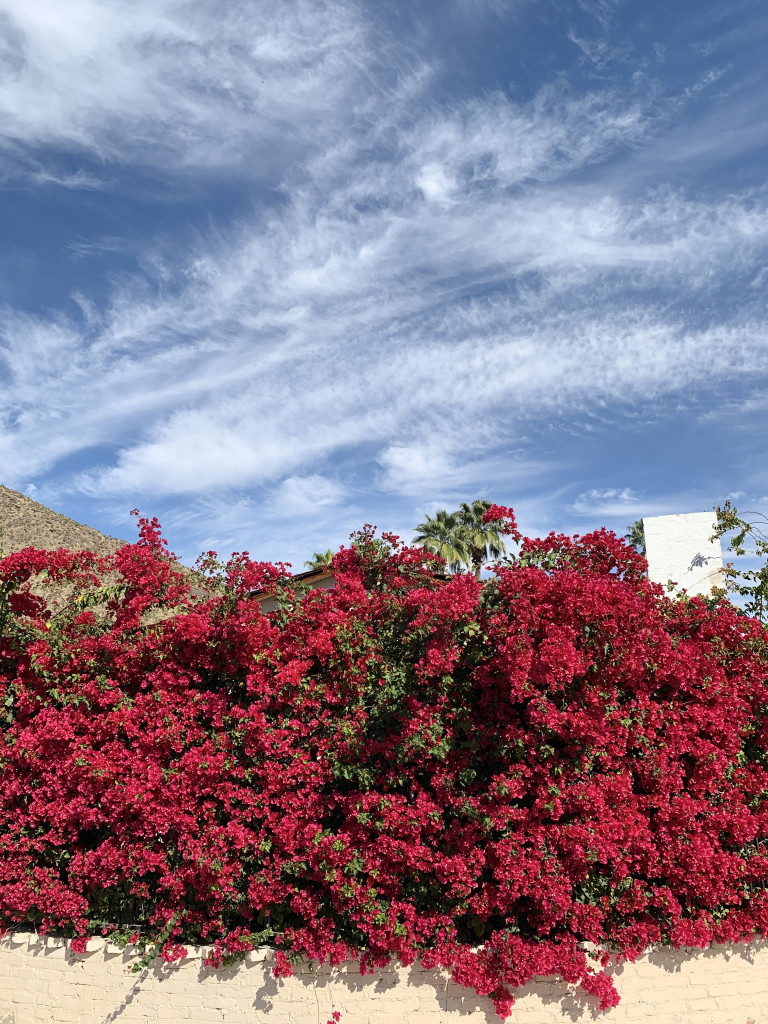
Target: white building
(679, 549)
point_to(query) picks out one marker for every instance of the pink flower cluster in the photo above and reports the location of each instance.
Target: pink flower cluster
(482, 777)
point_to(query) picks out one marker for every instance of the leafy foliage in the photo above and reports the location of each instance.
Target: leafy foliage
(409, 765)
(320, 560)
(464, 538)
(482, 535)
(750, 584)
(635, 536)
(440, 535)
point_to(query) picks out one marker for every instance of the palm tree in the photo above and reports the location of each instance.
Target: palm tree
(442, 536)
(635, 536)
(461, 537)
(483, 540)
(320, 560)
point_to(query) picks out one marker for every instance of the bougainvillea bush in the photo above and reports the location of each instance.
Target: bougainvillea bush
(511, 779)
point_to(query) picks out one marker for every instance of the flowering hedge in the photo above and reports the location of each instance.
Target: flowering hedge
(409, 765)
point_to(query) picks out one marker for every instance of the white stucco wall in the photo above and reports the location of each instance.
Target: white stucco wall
(41, 982)
(678, 548)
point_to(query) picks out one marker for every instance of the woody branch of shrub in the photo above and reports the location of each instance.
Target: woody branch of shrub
(412, 765)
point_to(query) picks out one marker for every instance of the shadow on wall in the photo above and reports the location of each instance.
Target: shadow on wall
(672, 960)
(722, 984)
(127, 1000)
(438, 987)
(370, 986)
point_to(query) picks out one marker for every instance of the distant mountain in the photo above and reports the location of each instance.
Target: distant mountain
(25, 523)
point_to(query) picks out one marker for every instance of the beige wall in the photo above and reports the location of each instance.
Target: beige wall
(42, 983)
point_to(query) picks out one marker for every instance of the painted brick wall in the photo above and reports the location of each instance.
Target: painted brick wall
(41, 982)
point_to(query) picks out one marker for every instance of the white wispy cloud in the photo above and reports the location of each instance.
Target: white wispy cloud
(306, 495)
(609, 502)
(163, 82)
(434, 278)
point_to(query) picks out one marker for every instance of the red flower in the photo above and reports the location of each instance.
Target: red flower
(405, 766)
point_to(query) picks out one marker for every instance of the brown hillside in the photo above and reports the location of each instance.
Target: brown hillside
(27, 523)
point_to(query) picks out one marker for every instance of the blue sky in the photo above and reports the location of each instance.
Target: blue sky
(271, 270)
